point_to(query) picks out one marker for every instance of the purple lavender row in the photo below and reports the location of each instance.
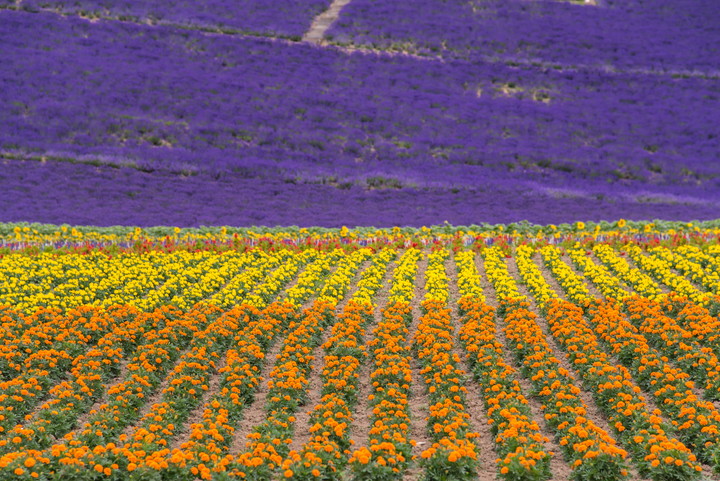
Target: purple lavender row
(680, 36)
(288, 18)
(157, 98)
(87, 195)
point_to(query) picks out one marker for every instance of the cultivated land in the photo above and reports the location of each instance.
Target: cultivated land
(587, 350)
(318, 113)
(567, 353)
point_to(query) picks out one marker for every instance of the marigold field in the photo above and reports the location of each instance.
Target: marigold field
(508, 352)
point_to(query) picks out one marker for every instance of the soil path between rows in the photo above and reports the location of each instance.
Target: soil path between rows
(302, 432)
(362, 415)
(474, 397)
(559, 467)
(254, 412)
(419, 403)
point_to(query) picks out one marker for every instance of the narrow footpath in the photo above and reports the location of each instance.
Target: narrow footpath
(323, 22)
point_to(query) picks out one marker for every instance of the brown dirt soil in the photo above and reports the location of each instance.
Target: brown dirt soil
(474, 400)
(490, 297)
(559, 468)
(418, 403)
(360, 428)
(322, 22)
(153, 398)
(182, 434)
(302, 423)
(254, 413)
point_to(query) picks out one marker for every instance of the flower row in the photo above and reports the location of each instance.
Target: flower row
(192, 280)
(656, 454)
(149, 443)
(388, 452)
(662, 271)
(146, 280)
(468, 277)
(145, 369)
(85, 384)
(592, 451)
(371, 280)
(288, 384)
(696, 421)
(289, 378)
(311, 278)
(45, 355)
(263, 294)
(338, 283)
(436, 280)
(598, 274)
(641, 282)
(31, 336)
(498, 274)
(668, 337)
(573, 285)
(698, 277)
(453, 454)
(327, 451)
(702, 267)
(696, 319)
(518, 440)
(532, 277)
(206, 450)
(241, 283)
(402, 288)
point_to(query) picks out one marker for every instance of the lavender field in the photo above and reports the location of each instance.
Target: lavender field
(409, 113)
(660, 36)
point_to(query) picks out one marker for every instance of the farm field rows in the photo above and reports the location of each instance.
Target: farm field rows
(522, 337)
(284, 18)
(603, 35)
(425, 355)
(419, 112)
